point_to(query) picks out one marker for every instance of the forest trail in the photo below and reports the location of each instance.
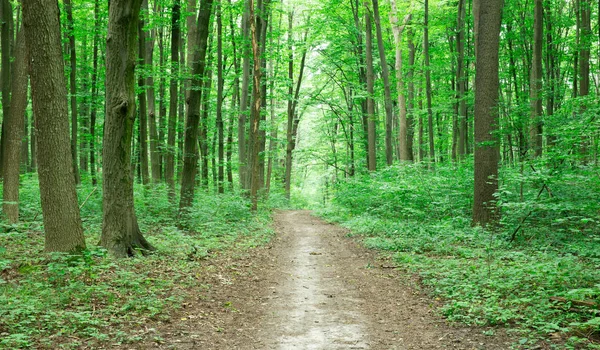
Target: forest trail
(312, 288)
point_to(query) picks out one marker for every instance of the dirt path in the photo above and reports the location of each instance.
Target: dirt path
(312, 288)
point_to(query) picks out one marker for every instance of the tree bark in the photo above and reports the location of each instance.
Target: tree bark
(242, 142)
(143, 110)
(190, 155)
(403, 123)
(62, 222)
(428, 83)
(6, 16)
(15, 126)
(461, 79)
(255, 111)
(94, 97)
(73, 89)
(219, 120)
(389, 146)
(535, 86)
(371, 118)
(173, 99)
(154, 146)
(120, 232)
(486, 112)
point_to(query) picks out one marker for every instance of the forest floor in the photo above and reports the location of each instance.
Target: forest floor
(312, 287)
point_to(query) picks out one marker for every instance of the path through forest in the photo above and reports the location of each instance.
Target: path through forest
(312, 288)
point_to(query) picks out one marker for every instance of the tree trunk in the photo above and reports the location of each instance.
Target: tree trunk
(173, 99)
(486, 112)
(6, 16)
(60, 209)
(120, 232)
(389, 146)
(219, 120)
(203, 136)
(255, 111)
(143, 112)
(428, 83)
(411, 94)
(190, 155)
(94, 97)
(15, 125)
(371, 118)
(154, 149)
(535, 87)
(293, 117)
(242, 142)
(461, 79)
(73, 89)
(403, 124)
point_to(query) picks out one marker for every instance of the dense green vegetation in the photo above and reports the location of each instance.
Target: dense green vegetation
(422, 220)
(61, 300)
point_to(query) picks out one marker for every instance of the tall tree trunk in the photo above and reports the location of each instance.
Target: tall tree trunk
(403, 124)
(219, 120)
(371, 118)
(535, 86)
(389, 146)
(14, 133)
(173, 99)
(94, 97)
(242, 142)
(486, 111)
(73, 89)
(293, 117)
(6, 16)
(121, 234)
(190, 155)
(255, 111)
(411, 94)
(203, 136)
(62, 222)
(428, 83)
(461, 79)
(154, 145)
(162, 98)
(24, 157)
(143, 112)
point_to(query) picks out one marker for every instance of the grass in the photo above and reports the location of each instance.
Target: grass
(422, 219)
(66, 301)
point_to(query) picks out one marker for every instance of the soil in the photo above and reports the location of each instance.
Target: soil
(312, 287)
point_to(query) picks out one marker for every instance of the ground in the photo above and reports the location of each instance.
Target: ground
(312, 287)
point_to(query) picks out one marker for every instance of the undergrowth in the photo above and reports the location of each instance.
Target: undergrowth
(533, 285)
(66, 301)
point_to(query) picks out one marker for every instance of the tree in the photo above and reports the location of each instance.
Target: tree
(14, 132)
(428, 83)
(121, 234)
(6, 16)
(535, 128)
(389, 149)
(486, 111)
(371, 126)
(403, 125)
(60, 209)
(220, 84)
(172, 129)
(73, 88)
(190, 153)
(253, 155)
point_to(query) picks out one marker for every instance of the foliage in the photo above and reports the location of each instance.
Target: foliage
(423, 219)
(51, 300)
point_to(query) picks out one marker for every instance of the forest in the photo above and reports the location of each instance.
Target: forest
(158, 158)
